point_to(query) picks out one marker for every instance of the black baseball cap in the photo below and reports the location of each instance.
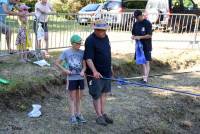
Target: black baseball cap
(137, 13)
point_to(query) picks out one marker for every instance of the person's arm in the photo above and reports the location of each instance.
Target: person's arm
(83, 69)
(89, 57)
(96, 74)
(30, 14)
(41, 10)
(148, 35)
(133, 32)
(5, 8)
(58, 64)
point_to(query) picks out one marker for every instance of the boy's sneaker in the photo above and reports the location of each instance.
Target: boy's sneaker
(73, 120)
(101, 121)
(80, 118)
(107, 119)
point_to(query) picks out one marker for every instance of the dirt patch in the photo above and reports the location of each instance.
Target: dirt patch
(134, 110)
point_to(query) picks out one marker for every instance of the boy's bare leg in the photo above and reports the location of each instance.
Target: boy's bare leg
(145, 72)
(79, 94)
(8, 40)
(72, 102)
(147, 69)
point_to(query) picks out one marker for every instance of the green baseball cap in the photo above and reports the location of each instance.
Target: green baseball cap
(75, 39)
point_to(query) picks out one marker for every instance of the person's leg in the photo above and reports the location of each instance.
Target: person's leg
(7, 31)
(79, 94)
(8, 39)
(103, 102)
(106, 90)
(38, 45)
(72, 101)
(21, 55)
(46, 38)
(95, 90)
(97, 106)
(145, 72)
(147, 65)
(148, 69)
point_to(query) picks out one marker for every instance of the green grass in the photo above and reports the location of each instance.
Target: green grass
(23, 76)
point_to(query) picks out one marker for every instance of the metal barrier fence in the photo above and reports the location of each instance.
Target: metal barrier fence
(167, 27)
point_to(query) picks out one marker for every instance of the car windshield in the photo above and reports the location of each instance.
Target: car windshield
(90, 7)
(112, 5)
(134, 4)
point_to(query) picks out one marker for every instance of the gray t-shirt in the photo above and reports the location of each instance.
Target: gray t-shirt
(74, 59)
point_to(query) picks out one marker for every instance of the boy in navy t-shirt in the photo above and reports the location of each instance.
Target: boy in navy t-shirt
(142, 30)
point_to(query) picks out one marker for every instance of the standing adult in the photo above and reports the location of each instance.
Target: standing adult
(98, 58)
(142, 30)
(6, 7)
(42, 9)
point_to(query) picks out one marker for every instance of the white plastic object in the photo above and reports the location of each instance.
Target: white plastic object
(36, 111)
(40, 32)
(42, 63)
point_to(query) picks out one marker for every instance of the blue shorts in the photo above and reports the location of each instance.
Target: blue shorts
(147, 55)
(76, 85)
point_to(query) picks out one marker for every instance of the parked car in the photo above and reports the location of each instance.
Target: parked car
(113, 11)
(161, 11)
(89, 13)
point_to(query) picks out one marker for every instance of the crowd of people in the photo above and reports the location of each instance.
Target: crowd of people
(92, 64)
(23, 41)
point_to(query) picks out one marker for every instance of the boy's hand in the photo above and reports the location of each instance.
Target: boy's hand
(82, 73)
(67, 72)
(133, 37)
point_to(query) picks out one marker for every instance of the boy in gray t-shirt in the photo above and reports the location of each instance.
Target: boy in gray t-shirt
(75, 71)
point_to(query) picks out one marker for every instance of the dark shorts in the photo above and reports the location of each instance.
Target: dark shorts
(4, 28)
(44, 26)
(76, 85)
(147, 55)
(98, 86)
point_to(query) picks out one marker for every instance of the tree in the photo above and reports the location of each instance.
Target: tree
(30, 3)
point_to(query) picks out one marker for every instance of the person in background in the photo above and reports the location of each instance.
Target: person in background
(142, 30)
(42, 9)
(23, 40)
(6, 8)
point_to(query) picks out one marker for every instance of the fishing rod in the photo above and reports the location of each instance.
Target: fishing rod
(124, 82)
(163, 74)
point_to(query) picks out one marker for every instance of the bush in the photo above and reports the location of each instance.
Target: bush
(30, 3)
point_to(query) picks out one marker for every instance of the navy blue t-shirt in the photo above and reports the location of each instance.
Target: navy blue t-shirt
(143, 28)
(99, 51)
